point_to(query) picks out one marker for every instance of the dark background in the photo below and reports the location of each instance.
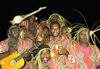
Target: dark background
(9, 9)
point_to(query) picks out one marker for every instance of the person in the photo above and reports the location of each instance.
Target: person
(46, 31)
(40, 26)
(59, 44)
(32, 19)
(65, 31)
(43, 22)
(40, 33)
(28, 21)
(45, 58)
(13, 43)
(25, 23)
(45, 35)
(25, 34)
(88, 55)
(32, 26)
(28, 37)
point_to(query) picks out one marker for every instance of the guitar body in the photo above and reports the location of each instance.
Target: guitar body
(5, 62)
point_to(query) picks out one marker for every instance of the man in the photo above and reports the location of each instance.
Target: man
(88, 55)
(32, 26)
(45, 35)
(40, 33)
(13, 43)
(46, 32)
(41, 26)
(59, 44)
(28, 21)
(28, 37)
(43, 22)
(66, 32)
(25, 34)
(45, 58)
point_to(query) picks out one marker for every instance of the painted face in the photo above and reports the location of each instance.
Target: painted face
(15, 32)
(84, 36)
(45, 55)
(55, 30)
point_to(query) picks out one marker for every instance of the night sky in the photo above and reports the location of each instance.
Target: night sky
(90, 9)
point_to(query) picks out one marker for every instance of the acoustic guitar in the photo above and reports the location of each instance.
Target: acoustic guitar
(15, 60)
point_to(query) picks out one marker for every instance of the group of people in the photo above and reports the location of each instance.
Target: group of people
(58, 48)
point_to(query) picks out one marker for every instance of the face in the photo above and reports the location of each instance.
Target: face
(55, 30)
(45, 55)
(55, 18)
(43, 22)
(84, 36)
(15, 32)
(63, 31)
(39, 37)
(46, 32)
(32, 19)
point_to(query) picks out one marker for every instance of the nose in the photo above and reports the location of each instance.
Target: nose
(55, 30)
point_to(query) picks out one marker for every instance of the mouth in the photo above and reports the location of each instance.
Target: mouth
(16, 34)
(45, 59)
(55, 33)
(85, 39)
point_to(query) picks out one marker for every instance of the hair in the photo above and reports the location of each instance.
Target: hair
(46, 28)
(76, 37)
(60, 18)
(22, 26)
(9, 30)
(54, 22)
(38, 58)
(43, 19)
(43, 46)
(64, 27)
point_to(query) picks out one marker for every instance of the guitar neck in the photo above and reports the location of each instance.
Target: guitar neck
(23, 54)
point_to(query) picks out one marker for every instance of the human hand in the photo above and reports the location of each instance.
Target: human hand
(12, 49)
(63, 51)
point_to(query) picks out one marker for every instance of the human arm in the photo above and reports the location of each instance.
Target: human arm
(4, 54)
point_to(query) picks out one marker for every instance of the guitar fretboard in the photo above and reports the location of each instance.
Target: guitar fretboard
(23, 54)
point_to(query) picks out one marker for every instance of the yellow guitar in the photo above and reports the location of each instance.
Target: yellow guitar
(15, 60)
(10, 62)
